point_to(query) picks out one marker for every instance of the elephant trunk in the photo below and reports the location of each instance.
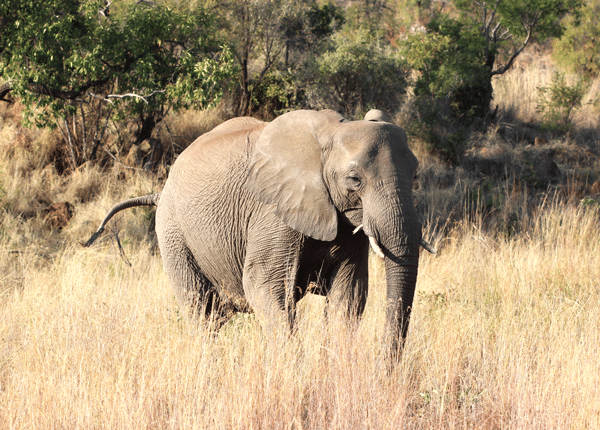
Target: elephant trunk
(401, 278)
(395, 232)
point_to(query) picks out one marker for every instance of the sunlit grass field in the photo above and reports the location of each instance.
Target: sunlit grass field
(505, 334)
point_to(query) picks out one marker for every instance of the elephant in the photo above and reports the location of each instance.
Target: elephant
(255, 215)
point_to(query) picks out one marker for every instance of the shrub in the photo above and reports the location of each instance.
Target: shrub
(356, 72)
(82, 73)
(557, 101)
(273, 95)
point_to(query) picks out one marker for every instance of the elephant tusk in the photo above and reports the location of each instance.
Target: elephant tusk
(376, 247)
(428, 247)
(372, 241)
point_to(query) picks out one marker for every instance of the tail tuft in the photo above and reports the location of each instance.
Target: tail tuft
(93, 238)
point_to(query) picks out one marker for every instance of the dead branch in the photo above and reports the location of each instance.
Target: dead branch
(122, 96)
(509, 63)
(104, 11)
(121, 164)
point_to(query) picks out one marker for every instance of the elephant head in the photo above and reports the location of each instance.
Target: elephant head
(321, 171)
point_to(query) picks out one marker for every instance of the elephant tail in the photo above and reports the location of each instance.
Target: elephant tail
(149, 200)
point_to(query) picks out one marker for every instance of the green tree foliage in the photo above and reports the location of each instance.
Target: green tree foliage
(558, 100)
(373, 16)
(449, 57)
(461, 51)
(577, 49)
(84, 64)
(256, 31)
(356, 72)
(324, 19)
(79, 65)
(269, 39)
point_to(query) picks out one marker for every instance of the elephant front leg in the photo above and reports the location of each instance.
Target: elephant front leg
(269, 280)
(349, 281)
(271, 297)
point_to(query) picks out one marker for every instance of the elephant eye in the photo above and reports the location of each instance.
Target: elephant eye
(354, 181)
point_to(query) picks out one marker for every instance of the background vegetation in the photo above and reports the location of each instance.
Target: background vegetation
(103, 95)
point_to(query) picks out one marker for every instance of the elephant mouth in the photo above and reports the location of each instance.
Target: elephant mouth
(379, 252)
(352, 215)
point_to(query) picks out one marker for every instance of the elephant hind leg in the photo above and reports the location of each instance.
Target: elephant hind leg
(192, 289)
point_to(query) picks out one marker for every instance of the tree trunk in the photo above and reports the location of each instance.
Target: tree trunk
(244, 106)
(148, 124)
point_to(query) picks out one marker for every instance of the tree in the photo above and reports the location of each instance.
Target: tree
(577, 49)
(76, 64)
(255, 34)
(478, 41)
(355, 73)
(557, 101)
(460, 52)
(269, 38)
(369, 15)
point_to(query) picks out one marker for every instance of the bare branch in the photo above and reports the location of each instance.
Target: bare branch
(505, 35)
(96, 96)
(486, 24)
(143, 98)
(122, 96)
(84, 139)
(97, 140)
(104, 12)
(515, 54)
(490, 20)
(495, 32)
(121, 164)
(67, 134)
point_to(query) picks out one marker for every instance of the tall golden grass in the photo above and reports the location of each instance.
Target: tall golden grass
(505, 334)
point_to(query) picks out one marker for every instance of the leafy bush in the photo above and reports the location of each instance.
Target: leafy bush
(355, 73)
(577, 49)
(452, 74)
(453, 88)
(273, 95)
(558, 101)
(81, 72)
(458, 54)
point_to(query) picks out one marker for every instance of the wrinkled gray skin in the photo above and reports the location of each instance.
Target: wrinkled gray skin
(254, 212)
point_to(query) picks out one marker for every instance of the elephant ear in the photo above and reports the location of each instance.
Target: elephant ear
(286, 171)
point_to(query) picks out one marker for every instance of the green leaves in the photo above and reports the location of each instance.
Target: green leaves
(557, 101)
(541, 15)
(358, 72)
(60, 54)
(577, 49)
(459, 53)
(450, 57)
(203, 83)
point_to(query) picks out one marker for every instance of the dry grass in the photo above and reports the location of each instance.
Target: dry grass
(182, 128)
(516, 92)
(505, 335)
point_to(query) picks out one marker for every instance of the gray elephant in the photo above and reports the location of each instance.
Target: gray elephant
(253, 213)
